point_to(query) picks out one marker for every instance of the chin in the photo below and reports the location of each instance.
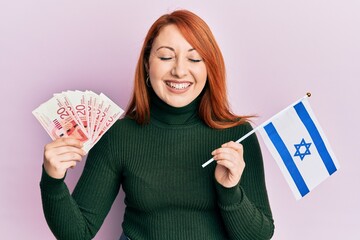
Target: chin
(178, 104)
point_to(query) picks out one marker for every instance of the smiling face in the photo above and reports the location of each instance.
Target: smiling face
(176, 70)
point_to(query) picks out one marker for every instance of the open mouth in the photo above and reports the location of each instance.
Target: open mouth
(178, 85)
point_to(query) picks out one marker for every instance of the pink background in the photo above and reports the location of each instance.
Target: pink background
(275, 52)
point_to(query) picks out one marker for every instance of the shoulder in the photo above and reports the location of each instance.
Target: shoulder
(233, 133)
(125, 122)
(240, 129)
(123, 125)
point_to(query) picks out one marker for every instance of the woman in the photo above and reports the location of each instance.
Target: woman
(178, 116)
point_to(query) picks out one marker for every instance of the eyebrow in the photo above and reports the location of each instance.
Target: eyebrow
(172, 49)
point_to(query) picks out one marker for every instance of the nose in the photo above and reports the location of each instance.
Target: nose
(180, 68)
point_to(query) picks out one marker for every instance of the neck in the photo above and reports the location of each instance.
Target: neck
(169, 115)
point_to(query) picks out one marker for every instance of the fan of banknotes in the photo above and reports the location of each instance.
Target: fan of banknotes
(82, 115)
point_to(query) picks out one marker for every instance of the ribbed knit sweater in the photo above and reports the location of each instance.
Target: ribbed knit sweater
(168, 195)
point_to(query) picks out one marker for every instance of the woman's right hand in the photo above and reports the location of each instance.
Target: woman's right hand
(61, 154)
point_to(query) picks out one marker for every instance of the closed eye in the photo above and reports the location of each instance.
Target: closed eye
(165, 58)
(195, 60)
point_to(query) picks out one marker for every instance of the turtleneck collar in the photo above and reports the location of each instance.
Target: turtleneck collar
(166, 115)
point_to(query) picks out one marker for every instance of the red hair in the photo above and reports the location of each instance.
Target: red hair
(214, 107)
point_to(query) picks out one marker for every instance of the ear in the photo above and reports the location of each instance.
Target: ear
(146, 65)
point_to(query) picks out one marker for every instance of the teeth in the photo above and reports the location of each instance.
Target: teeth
(178, 86)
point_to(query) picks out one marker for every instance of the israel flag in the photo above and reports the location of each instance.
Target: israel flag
(299, 146)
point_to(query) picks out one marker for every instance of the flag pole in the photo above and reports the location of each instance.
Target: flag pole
(308, 94)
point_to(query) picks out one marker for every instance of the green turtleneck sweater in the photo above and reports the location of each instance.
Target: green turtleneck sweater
(168, 195)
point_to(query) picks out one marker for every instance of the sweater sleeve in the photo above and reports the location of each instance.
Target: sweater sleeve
(79, 215)
(245, 208)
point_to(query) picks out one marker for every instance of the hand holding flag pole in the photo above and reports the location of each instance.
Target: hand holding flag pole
(261, 126)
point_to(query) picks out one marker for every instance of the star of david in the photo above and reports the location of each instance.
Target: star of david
(303, 153)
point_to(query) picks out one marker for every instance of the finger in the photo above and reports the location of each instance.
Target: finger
(231, 163)
(68, 141)
(224, 156)
(225, 150)
(68, 149)
(54, 158)
(228, 154)
(227, 164)
(68, 157)
(56, 167)
(234, 145)
(54, 154)
(234, 167)
(218, 150)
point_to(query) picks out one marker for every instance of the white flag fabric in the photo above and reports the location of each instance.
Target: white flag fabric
(300, 148)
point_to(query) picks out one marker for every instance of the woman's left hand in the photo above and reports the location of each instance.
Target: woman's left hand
(230, 164)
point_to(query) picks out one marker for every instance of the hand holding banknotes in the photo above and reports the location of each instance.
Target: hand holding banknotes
(75, 121)
(62, 154)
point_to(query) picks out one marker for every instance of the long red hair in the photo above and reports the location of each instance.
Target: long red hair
(214, 107)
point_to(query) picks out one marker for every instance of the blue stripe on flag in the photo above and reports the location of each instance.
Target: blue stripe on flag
(315, 135)
(287, 158)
